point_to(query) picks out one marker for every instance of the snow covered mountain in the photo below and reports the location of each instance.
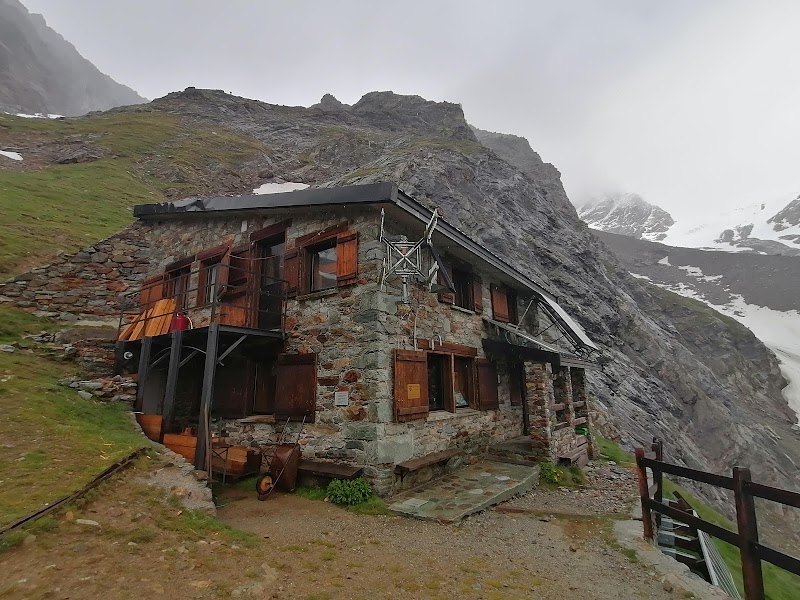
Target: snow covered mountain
(757, 290)
(627, 214)
(764, 227)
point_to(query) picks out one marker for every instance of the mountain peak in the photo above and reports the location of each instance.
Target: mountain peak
(391, 111)
(41, 72)
(627, 214)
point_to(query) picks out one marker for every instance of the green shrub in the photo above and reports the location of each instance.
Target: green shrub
(350, 492)
(550, 473)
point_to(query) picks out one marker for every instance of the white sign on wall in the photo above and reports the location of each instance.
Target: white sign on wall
(341, 398)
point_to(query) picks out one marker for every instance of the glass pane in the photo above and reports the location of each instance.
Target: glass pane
(323, 269)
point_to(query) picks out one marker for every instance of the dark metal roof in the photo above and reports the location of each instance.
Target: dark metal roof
(373, 193)
(368, 194)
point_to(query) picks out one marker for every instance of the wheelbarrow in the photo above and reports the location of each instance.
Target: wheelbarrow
(281, 463)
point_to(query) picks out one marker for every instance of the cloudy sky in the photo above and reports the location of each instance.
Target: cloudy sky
(691, 103)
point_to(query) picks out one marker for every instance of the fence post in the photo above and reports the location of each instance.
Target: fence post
(644, 494)
(748, 535)
(658, 477)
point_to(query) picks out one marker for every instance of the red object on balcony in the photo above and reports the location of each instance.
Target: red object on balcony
(180, 322)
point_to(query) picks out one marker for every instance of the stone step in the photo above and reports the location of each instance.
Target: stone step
(466, 491)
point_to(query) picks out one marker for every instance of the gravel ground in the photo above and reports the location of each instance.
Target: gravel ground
(323, 551)
(610, 490)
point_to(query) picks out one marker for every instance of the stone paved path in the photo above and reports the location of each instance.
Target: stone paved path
(466, 491)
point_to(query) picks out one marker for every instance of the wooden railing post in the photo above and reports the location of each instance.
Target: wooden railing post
(748, 535)
(658, 477)
(644, 494)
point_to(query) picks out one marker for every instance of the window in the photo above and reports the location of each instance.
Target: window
(210, 273)
(440, 391)
(208, 280)
(322, 260)
(322, 267)
(176, 285)
(513, 315)
(467, 288)
(462, 280)
(463, 378)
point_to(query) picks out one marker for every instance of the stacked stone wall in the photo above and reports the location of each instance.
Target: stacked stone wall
(86, 285)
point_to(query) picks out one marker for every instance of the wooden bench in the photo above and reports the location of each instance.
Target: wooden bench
(329, 470)
(428, 460)
(579, 456)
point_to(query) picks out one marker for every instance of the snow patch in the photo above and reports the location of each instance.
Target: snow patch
(39, 116)
(779, 330)
(693, 271)
(665, 261)
(11, 155)
(645, 277)
(278, 188)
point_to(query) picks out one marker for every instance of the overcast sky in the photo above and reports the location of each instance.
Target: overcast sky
(691, 103)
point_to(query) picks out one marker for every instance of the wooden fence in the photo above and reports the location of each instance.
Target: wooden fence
(745, 492)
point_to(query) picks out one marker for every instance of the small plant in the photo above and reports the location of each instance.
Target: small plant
(550, 473)
(350, 492)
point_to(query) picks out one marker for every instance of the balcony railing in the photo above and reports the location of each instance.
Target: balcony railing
(251, 296)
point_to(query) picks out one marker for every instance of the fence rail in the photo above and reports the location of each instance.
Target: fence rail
(745, 492)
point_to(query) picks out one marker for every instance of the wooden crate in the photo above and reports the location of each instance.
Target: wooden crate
(238, 461)
(181, 444)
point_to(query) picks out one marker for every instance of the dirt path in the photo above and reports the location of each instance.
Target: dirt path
(325, 552)
(148, 546)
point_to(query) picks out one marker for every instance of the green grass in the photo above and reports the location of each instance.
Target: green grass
(611, 451)
(373, 506)
(66, 207)
(778, 584)
(197, 525)
(55, 442)
(16, 323)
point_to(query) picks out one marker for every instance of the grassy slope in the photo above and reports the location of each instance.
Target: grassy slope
(778, 584)
(65, 207)
(53, 442)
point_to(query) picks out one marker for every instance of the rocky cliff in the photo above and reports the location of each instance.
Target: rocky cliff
(41, 72)
(670, 368)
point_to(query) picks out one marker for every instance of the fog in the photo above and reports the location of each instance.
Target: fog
(690, 104)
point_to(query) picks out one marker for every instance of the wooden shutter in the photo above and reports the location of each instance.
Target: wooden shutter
(152, 290)
(445, 296)
(291, 272)
(499, 304)
(410, 385)
(477, 294)
(346, 257)
(233, 388)
(296, 386)
(487, 385)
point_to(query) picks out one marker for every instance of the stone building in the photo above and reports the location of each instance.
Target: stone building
(290, 309)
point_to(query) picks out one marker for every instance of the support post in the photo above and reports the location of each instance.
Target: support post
(141, 379)
(658, 477)
(202, 455)
(526, 415)
(644, 494)
(748, 535)
(172, 379)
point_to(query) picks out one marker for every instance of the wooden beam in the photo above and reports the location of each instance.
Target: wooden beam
(202, 454)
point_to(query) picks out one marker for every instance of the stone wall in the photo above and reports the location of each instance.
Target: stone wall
(86, 285)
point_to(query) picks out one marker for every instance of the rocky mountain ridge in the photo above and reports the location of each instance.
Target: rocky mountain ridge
(670, 368)
(41, 72)
(763, 227)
